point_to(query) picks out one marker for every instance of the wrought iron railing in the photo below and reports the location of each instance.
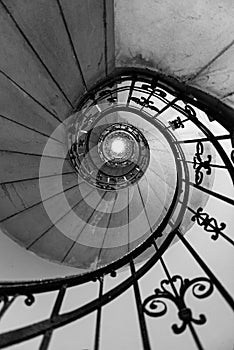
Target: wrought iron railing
(154, 98)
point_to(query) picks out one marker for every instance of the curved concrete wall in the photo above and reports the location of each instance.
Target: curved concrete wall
(192, 41)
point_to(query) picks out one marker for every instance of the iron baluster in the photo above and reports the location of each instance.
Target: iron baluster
(201, 287)
(164, 109)
(141, 316)
(146, 87)
(204, 139)
(99, 314)
(57, 306)
(130, 91)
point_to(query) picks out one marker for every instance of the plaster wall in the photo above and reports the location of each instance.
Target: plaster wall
(191, 41)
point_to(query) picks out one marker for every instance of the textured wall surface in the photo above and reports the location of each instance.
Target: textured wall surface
(189, 40)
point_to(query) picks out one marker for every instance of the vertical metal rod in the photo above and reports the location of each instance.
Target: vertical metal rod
(167, 273)
(170, 104)
(130, 92)
(6, 305)
(204, 139)
(211, 165)
(207, 270)
(149, 97)
(98, 319)
(141, 316)
(195, 337)
(128, 223)
(47, 336)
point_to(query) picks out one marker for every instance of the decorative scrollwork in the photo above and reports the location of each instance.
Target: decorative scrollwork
(232, 155)
(209, 224)
(145, 103)
(160, 93)
(176, 123)
(7, 300)
(199, 163)
(191, 113)
(29, 300)
(153, 306)
(150, 86)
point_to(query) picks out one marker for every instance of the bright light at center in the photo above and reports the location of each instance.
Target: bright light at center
(118, 146)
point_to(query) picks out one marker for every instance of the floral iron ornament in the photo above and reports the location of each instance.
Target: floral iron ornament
(199, 164)
(201, 288)
(176, 123)
(209, 224)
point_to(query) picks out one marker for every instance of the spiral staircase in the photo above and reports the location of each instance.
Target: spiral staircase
(116, 174)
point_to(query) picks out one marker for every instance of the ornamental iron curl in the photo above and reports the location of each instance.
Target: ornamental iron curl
(157, 92)
(210, 224)
(199, 287)
(29, 299)
(144, 103)
(202, 287)
(199, 163)
(232, 156)
(7, 301)
(176, 123)
(191, 113)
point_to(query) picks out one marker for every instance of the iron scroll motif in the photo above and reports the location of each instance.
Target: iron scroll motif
(202, 287)
(156, 91)
(232, 143)
(199, 163)
(144, 103)
(210, 224)
(176, 123)
(190, 112)
(232, 156)
(6, 301)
